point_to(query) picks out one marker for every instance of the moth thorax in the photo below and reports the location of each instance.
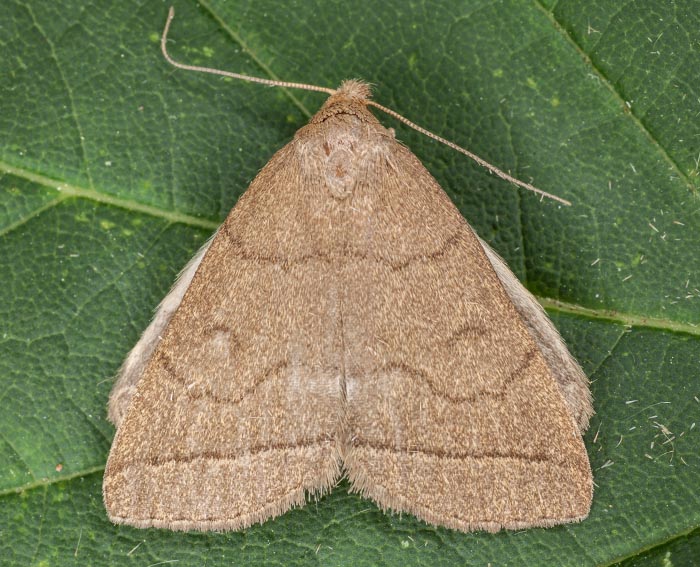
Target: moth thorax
(340, 166)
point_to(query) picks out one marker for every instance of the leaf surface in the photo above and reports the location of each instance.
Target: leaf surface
(116, 168)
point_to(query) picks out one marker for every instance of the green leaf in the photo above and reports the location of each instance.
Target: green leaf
(116, 167)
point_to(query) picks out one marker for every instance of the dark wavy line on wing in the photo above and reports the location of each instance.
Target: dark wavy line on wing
(319, 442)
(264, 376)
(416, 374)
(359, 443)
(285, 262)
(420, 375)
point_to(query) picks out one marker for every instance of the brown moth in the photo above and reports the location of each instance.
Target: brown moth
(345, 320)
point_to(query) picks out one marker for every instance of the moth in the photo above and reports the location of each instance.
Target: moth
(345, 320)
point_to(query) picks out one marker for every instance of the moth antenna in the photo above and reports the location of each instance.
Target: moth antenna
(483, 163)
(269, 82)
(285, 84)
